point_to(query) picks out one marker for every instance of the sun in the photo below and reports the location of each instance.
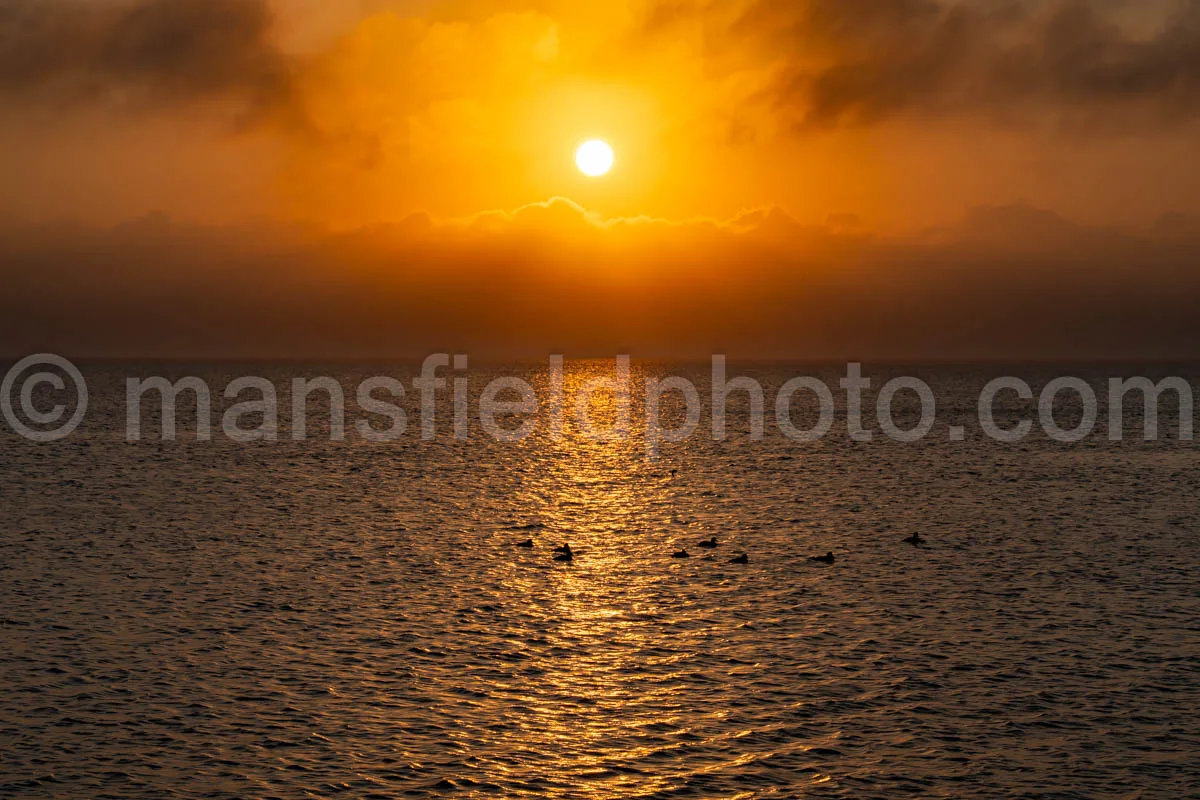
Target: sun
(594, 158)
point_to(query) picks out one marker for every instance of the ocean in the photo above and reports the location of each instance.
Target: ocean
(352, 619)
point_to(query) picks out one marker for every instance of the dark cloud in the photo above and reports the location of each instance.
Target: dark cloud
(861, 61)
(142, 54)
(1064, 56)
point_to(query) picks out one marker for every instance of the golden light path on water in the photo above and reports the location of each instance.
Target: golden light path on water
(585, 704)
(618, 665)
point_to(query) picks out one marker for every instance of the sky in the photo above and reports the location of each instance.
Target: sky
(941, 178)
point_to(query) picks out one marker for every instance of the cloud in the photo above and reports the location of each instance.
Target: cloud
(825, 63)
(143, 54)
(860, 62)
(1009, 281)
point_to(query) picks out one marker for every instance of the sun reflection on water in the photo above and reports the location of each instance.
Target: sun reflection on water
(603, 612)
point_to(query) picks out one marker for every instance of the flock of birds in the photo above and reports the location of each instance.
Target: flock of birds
(564, 553)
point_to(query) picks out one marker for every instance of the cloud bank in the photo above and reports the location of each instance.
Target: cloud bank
(1007, 282)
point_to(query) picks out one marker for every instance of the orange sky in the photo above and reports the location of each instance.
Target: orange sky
(904, 112)
(943, 161)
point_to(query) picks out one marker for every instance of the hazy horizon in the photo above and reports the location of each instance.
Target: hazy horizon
(1008, 282)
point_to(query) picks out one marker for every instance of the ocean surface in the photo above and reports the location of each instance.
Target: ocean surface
(351, 619)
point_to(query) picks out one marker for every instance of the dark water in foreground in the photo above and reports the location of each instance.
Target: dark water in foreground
(323, 619)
